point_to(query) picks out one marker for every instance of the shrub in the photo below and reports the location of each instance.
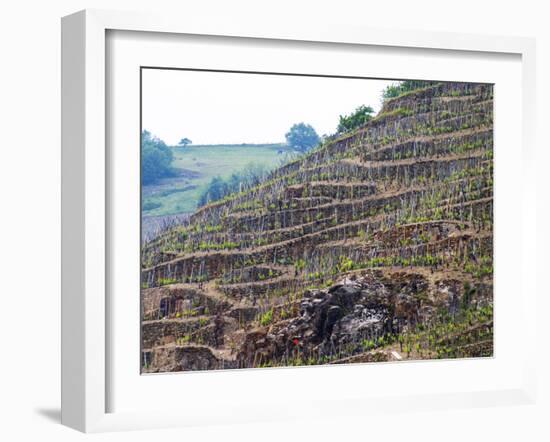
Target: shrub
(402, 87)
(266, 318)
(302, 137)
(219, 188)
(357, 118)
(156, 159)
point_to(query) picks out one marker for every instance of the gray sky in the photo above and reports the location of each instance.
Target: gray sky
(219, 107)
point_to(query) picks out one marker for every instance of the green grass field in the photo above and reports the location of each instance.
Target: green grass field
(196, 165)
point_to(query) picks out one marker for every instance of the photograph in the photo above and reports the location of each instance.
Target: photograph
(293, 220)
(255, 221)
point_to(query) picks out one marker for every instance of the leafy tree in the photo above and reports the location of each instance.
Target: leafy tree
(156, 158)
(252, 174)
(357, 118)
(302, 137)
(184, 142)
(216, 190)
(219, 188)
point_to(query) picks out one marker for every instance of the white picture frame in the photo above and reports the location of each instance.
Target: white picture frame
(85, 209)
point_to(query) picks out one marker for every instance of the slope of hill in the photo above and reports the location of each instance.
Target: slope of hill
(377, 246)
(195, 166)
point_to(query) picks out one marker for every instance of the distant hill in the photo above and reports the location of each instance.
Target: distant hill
(239, 145)
(195, 166)
(376, 246)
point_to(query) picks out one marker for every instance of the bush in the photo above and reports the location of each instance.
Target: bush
(302, 137)
(397, 89)
(357, 118)
(219, 188)
(156, 159)
(266, 318)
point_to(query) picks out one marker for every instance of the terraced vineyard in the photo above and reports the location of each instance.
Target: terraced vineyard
(376, 246)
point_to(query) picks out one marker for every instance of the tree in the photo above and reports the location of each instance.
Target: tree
(156, 158)
(184, 142)
(218, 188)
(357, 118)
(302, 137)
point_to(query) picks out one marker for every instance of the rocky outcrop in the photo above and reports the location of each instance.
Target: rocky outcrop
(337, 321)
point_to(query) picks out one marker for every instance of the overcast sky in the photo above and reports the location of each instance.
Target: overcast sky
(228, 108)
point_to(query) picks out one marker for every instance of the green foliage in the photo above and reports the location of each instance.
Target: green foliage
(226, 245)
(219, 188)
(166, 281)
(300, 265)
(216, 190)
(302, 137)
(399, 112)
(198, 164)
(450, 336)
(369, 344)
(156, 159)
(402, 87)
(480, 267)
(357, 118)
(345, 264)
(184, 340)
(266, 318)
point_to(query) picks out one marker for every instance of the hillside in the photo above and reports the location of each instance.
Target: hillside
(195, 166)
(377, 246)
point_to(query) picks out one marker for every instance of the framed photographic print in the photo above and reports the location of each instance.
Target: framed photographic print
(257, 216)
